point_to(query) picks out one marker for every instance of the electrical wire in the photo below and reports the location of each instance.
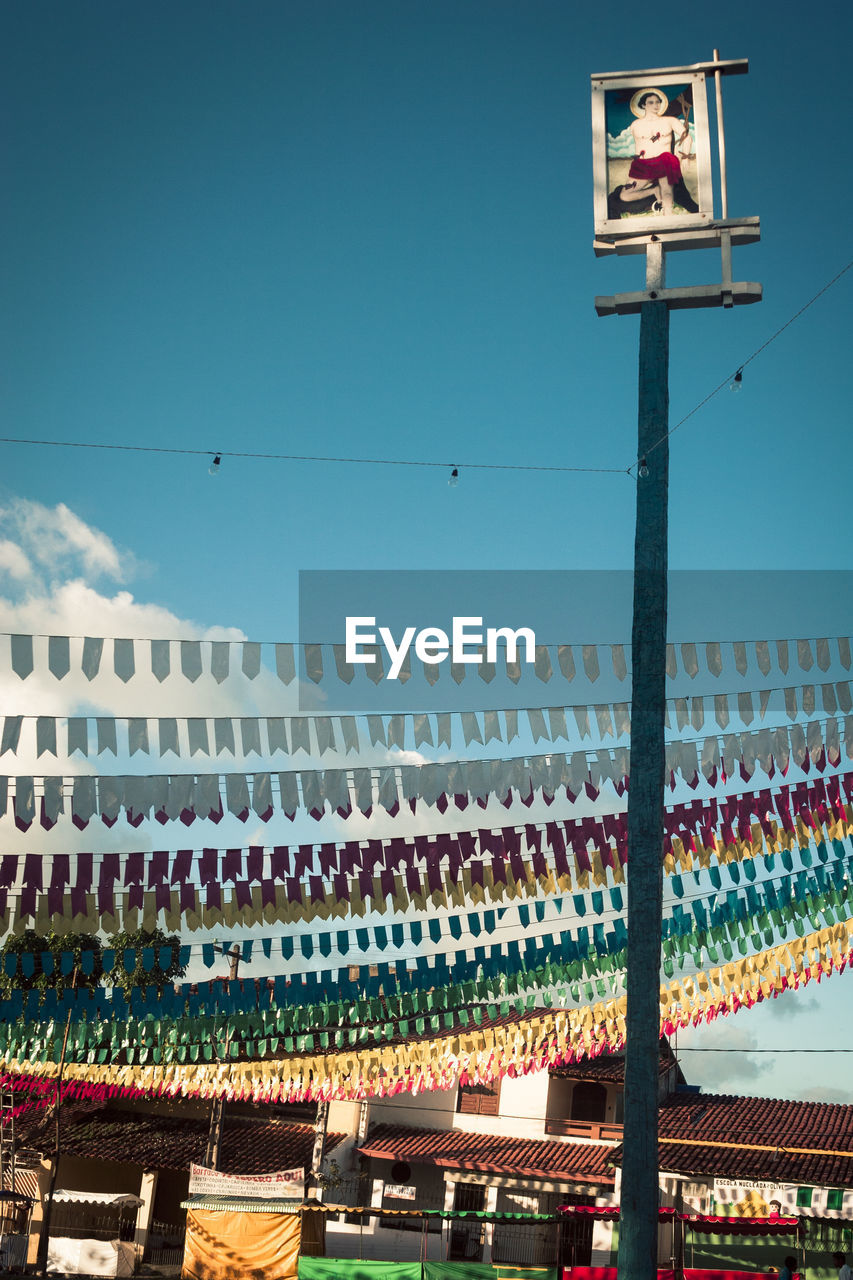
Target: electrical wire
(422, 462)
(743, 364)
(307, 457)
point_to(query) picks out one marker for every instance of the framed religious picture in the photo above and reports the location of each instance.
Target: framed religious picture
(651, 152)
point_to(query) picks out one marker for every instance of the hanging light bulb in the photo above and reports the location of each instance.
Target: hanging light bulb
(213, 469)
(643, 469)
(737, 381)
(454, 478)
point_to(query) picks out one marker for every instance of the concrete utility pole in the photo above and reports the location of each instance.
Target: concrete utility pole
(652, 235)
(217, 1107)
(639, 1227)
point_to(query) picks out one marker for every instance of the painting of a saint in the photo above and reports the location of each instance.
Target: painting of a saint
(651, 149)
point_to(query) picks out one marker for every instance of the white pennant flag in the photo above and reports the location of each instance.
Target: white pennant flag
(83, 798)
(22, 656)
(590, 662)
(604, 721)
(197, 734)
(349, 730)
(167, 732)
(536, 720)
(423, 729)
(58, 657)
(220, 660)
(93, 647)
(107, 736)
(804, 655)
(285, 663)
(124, 663)
(713, 658)
(566, 661)
(45, 735)
(721, 709)
(137, 735)
(250, 735)
(191, 659)
(689, 661)
(161, 661)
(251, 659)
(78, 735)
(762, 656)
(557, 723)
(492, 726)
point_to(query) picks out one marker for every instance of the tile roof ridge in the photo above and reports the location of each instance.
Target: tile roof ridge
(710, 1098)
(546, 1139)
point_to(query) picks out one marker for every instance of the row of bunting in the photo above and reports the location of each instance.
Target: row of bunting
(315, 735)
(291, 886)
(200, 657)
(187, 797)
(472, 1054)
(435, 982)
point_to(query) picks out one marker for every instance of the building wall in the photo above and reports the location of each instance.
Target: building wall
(522, 1110)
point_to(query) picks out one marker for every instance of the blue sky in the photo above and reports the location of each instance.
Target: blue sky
(365, 229)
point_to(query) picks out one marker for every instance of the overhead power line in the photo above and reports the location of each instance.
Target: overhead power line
(739, 371)
(305, 457)
(454, 466)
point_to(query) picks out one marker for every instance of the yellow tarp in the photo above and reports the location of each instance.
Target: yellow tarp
(240, 1246)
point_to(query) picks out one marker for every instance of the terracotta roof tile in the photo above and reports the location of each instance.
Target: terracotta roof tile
(174, 1142)
(523, 1157)
(743, 1126)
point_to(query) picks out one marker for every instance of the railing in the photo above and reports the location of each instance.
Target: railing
(597, 1130)
(67, 1224)
(355, 1192)
(165, 1247)
(534, 1245)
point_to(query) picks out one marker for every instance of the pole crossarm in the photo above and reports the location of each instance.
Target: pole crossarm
(725, 66)
(706, 236)
(691, 297)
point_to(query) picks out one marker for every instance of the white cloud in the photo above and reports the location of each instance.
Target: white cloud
(57, 541)
(13, 561)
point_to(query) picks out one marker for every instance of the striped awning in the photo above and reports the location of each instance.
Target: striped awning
(232, 1204)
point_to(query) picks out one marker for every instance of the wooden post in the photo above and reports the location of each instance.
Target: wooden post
(318, 1153)
(638, 1232)
(44, 1231)
(721, 139)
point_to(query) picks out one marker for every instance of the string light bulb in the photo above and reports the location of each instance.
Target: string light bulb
(643, 469)
(213, 469)
(454, 478)
(737, 381)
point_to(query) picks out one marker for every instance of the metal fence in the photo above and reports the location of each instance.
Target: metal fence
(520, 1245)
(165, 1245)
(66, 1222)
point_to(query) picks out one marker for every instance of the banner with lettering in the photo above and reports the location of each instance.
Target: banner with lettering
(285, 1184)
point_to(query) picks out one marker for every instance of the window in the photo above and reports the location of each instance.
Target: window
(466, 1236)
(469, 1197)
(804, 1197)
(835, 1198)
(578, 1232)
(479, 1099)
(589, 1101)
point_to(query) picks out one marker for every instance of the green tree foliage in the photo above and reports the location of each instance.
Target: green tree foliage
(48, 961)
(158, 959)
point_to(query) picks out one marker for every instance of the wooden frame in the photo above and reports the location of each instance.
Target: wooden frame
(610, 98)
